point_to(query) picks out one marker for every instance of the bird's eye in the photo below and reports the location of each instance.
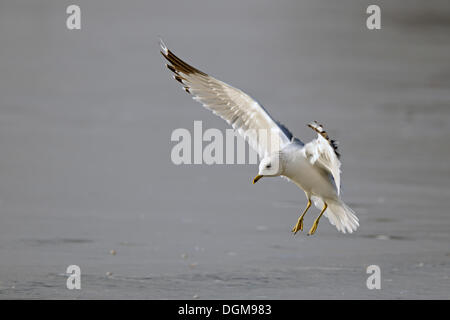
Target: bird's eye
(268, 166)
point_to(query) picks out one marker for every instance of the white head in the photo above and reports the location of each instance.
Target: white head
(269, 166)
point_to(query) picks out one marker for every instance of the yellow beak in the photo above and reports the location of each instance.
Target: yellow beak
(255, 180)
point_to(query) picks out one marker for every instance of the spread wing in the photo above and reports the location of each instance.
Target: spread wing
(243, 113)
(323, 152)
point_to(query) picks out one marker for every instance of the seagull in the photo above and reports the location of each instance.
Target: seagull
(314, 167)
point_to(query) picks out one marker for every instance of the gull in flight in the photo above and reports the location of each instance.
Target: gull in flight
(314, 167)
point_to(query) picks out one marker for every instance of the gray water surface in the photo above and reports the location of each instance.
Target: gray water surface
(85, 124)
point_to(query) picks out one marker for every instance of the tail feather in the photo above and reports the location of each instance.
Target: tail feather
(340, 215)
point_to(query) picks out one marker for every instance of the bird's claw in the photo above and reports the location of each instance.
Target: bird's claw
(313, 229)
(298, 226)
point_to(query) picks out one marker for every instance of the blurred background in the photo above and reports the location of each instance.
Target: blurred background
(86, 177)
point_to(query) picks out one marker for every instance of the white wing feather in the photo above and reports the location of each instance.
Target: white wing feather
(323, 152)
(237, 108)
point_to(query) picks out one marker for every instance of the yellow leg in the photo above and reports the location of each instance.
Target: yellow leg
(316, 222)
(299, 225)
